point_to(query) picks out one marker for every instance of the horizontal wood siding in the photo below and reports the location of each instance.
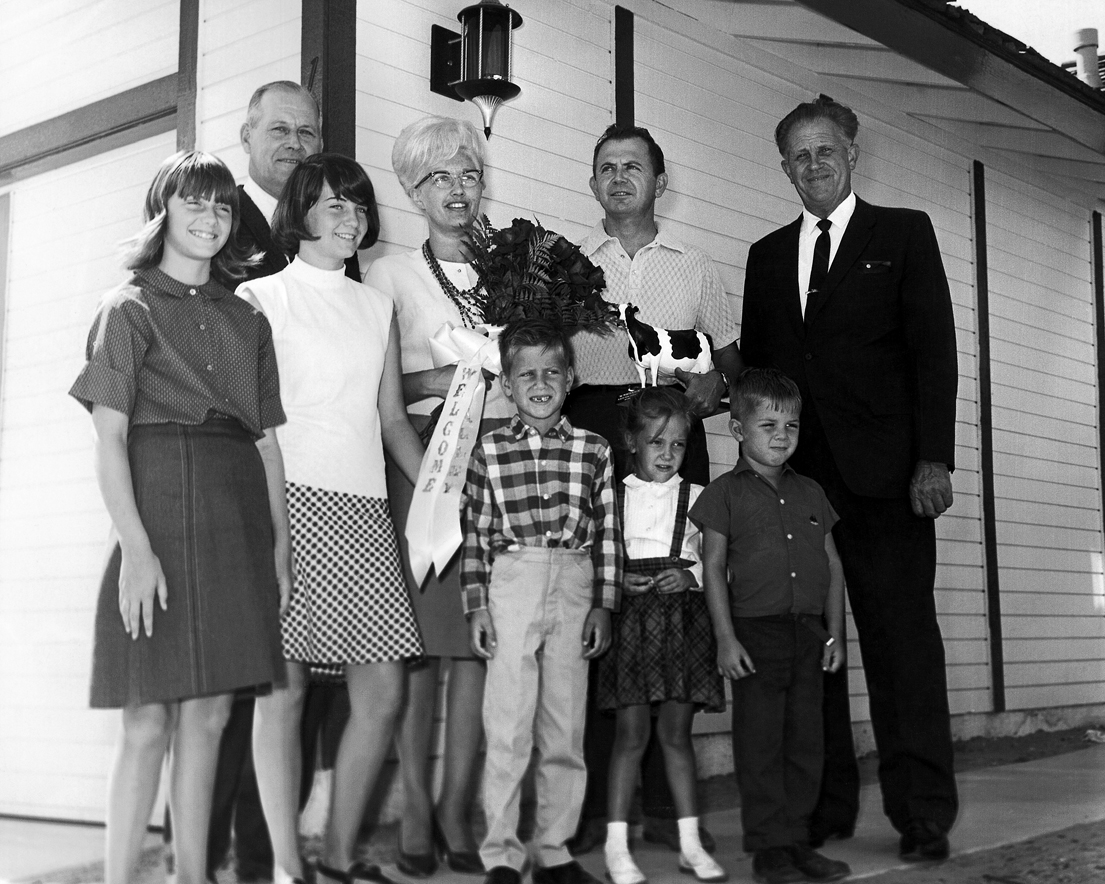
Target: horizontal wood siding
(58, 55)
(1046, 460)
(55, 753)
(715, 116)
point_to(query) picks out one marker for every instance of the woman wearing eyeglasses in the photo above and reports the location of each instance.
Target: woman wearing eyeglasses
(439, 162)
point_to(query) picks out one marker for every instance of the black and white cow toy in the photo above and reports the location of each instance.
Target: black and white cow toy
(662, 351)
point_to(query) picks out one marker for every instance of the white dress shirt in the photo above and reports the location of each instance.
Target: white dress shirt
(807, 239)
(648, 522)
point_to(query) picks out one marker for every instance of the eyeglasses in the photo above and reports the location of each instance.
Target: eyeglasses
(443, 180)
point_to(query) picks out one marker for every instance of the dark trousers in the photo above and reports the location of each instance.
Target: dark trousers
(596, 409)
(777, 733)
(236, 803)
(889, 558)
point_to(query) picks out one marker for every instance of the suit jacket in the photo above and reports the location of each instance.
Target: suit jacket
(877, 359)
(254, 234)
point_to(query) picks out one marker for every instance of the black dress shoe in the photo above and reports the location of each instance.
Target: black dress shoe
(774, 865)
(416, 865)
(463, 862)
(924, 841)
(503, 875)
(589, 835)
(565, 873)
(359, 871)
(666, 831)
(817, 867)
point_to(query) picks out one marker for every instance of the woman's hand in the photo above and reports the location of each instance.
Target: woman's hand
(140, 580)
(419, 385)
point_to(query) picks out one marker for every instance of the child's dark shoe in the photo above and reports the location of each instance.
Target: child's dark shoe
(503, 875)
(565, 873)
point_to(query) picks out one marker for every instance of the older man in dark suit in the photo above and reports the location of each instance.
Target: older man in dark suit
(851, 301)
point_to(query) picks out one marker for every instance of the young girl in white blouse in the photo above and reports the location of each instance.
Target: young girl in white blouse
(663, 661)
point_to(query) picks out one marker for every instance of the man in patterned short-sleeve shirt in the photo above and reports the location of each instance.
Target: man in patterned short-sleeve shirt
(675, 286)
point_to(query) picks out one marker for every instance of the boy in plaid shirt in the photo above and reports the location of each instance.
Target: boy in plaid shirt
(541, 573)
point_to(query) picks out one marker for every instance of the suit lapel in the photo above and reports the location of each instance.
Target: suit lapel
(856, 237)
(258, 228)
(788, 285)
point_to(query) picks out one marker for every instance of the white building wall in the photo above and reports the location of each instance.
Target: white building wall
(54, 752)
(58, 55)
(1046, 458)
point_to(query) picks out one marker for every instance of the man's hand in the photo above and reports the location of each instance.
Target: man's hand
(596, 633)
(481, 634)
(834, 656)
(930, 490)
(704, 391)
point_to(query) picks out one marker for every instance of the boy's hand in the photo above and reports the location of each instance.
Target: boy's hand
(596, 633)
(733, 660)
(834, 656)
(636, 584)
(674, 580)
(481, 634)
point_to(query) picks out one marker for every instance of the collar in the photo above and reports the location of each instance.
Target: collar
(598, 237)
(744, 467)
(160, 280)
(634, 481)
(265, 203)
(562, 430)
(840, 216)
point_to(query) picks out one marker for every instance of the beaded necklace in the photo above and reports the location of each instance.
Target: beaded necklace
(467, 301)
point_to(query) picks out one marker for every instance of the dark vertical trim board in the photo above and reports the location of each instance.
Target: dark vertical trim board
(1097, 259)
(187, 61)
(328, 51)
(624, 112)
(986, 442)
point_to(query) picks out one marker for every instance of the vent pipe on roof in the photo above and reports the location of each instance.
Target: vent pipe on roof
(1085, 49)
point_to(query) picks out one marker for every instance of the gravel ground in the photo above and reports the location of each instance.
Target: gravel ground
(1072, 856)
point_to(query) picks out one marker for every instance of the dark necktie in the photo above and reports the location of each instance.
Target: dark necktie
(820, 267)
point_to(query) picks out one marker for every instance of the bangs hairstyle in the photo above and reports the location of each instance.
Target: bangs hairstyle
(429, 143)
(622, 132)
(304, 188)
(757, 386)
(653, 403)
(821, 108)
(189, 174)
(533, 333)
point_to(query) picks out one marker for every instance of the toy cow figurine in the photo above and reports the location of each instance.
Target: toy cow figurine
(662, 351)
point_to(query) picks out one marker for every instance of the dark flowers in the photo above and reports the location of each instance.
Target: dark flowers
(528, 271)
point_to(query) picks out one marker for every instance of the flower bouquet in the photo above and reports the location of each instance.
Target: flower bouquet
(529, 272)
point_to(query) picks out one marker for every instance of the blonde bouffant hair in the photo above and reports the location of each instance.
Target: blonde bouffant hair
(427, 144)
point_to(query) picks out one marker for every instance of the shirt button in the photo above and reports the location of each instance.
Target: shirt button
(210, 368)
(790, 537)
(781, 500)
(809, 356)
(191, 291)
(545, 496)
(202, 327)
(548, 533)
(792, 574)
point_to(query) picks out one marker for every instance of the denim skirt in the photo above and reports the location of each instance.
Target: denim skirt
(202, 498)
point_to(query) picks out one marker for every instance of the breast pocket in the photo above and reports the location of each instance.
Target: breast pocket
(868, 268)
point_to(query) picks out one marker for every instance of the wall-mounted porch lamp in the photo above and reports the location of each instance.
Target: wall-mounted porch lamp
(476, 64)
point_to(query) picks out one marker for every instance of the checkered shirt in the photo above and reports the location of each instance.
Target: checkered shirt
(674, 285)
(554, 489)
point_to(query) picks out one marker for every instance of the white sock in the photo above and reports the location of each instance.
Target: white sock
(689, 842)
(617, 836)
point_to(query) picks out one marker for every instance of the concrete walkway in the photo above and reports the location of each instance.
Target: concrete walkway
(999, 805)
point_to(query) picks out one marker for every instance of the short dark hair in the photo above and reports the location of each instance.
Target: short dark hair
(757, 386)
(653, 403)
(821, 108)
(304, 188)
(189, 174)
(537, 332)
(621, 132)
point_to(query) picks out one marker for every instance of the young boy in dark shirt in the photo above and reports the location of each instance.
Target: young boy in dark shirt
(771, 574)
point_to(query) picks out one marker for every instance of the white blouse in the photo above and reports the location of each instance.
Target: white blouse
(648, 522)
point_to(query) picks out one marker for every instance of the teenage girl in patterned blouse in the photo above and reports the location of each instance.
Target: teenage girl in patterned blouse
(181, 382)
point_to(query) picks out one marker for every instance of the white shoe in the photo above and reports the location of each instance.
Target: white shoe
(702, 866)
(621, 869)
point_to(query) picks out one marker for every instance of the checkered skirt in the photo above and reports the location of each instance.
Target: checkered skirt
(349, 603)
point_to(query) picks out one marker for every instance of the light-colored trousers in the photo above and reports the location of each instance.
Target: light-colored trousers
(536, 694)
